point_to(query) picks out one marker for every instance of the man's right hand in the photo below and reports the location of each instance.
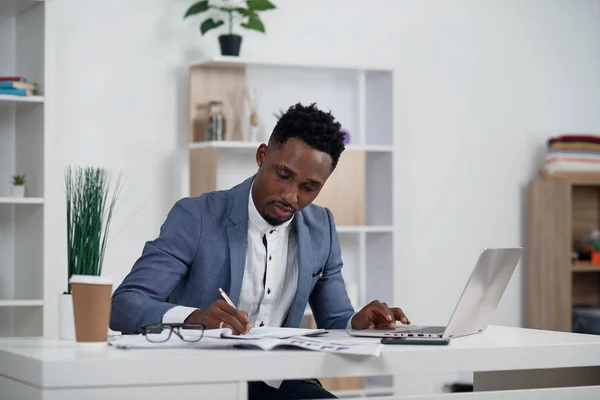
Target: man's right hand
(221, 315)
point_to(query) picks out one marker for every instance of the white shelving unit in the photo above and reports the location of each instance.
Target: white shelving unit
(360, 97)
(26, 47)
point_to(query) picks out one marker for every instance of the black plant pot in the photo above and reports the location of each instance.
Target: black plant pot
(230, 44)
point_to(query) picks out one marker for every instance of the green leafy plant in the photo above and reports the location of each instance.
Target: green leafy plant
(248, 15)
(18, 180)
(89, 215)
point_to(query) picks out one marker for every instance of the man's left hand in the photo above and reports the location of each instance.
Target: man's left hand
(377, 315)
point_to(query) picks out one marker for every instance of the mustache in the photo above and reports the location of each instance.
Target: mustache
(283, 204)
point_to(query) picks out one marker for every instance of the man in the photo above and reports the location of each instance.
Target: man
(264, 243)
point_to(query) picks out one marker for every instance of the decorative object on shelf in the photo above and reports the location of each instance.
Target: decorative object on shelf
(346, 135)
(17, 188)
(17, 86)
(85, 306)
(587, 248)
(572, 155)
(254, 119)
(215, 123)
(230, 43)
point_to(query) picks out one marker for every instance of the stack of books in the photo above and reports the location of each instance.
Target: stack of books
(17, 86)
(572, 154)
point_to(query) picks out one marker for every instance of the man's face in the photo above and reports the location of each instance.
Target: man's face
(290, 178)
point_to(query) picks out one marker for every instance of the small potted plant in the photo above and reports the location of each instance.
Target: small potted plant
(17, 188)
(89, 215)
(247, 17)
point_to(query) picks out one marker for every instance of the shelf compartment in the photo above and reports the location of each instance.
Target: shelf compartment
(21, 253)
(14, 8)
(379, 108)
(586, 289)
(379, 189)
(379, 267)
(21, 321)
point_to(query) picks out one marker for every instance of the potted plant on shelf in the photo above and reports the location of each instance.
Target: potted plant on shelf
(89, 215)
(17, 188)
(247, 16)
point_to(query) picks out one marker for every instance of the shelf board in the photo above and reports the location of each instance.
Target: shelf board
(11, 99)
(241, 62)
(585, 266)
(241, 145)
(366, 229)
(21, 303)
(21, 200)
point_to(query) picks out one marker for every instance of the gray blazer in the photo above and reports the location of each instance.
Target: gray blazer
(202, 247)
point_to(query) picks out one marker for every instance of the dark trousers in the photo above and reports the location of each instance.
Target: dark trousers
(289, 390)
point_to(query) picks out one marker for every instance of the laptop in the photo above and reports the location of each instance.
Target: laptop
(476, 305)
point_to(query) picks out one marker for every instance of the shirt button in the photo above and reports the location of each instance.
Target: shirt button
(270, 258)
(262, 323)
(269, 291)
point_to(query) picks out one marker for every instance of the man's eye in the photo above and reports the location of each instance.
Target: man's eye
(282, 175)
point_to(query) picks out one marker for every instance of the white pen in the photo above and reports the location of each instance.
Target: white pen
(228, 300)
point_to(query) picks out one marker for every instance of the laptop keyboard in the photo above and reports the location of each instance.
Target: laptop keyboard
(426, 329)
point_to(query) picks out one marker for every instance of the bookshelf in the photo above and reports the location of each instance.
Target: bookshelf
(560, 211)
(359, 192)
(26, 133)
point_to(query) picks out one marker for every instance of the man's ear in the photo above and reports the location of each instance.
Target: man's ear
(261, 154)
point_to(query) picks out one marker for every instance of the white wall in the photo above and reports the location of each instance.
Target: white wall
(480, 85)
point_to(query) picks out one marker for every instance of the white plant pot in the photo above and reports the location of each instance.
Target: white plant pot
(17, 191)
(66, 320)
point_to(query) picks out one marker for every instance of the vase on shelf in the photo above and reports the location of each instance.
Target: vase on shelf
(66, 320)
(17, 191)
(215, 123)
(254, 128)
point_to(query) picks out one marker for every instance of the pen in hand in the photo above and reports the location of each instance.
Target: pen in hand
(228, 300)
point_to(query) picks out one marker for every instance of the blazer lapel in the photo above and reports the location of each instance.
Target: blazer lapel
(305, 263)
(237, 235)
(238, 242)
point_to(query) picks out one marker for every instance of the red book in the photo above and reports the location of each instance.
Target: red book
(12, 78)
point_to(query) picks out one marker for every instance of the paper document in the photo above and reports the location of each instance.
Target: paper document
(264, 332)
(367, 348)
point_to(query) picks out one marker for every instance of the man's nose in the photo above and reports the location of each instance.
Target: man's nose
(290, 195)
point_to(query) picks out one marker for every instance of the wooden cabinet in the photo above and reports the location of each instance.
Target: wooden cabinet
(560, 212)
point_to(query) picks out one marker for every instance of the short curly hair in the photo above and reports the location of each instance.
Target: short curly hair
(316, 128)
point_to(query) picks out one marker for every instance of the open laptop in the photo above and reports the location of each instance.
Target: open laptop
(476, 305)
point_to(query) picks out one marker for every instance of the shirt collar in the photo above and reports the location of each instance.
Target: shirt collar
(259, 222)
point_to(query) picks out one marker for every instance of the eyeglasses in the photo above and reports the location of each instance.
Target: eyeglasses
(159, 333)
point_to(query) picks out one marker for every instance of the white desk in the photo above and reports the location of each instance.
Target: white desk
(50, 369)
